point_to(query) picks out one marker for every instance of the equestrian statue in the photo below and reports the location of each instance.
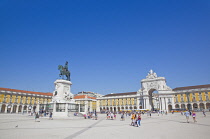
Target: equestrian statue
(64, 71)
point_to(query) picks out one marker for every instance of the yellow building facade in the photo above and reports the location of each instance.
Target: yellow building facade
(192, 97)
(19, 101)
(183, 98)
(87, 103)
(119, 102)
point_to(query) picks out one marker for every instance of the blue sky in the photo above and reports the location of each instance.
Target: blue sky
(110, 44)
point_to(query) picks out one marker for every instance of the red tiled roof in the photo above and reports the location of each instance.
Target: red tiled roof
(83, 96)
(192, 87)
(28, 92)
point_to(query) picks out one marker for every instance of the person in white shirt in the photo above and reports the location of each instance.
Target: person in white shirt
(187, 114)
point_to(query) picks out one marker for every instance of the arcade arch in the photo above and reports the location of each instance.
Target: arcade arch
(195, 106)
(14, 109)
(20, 108)
(201, 105)
(169, 107)
(122, 108)
(183, 106)
(3, 108)
(208, 106)
(177, 106)
(153, 99)
(189, 106)
(114, 109)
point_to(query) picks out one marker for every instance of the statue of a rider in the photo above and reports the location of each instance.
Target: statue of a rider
(64, 71)
(66, 66)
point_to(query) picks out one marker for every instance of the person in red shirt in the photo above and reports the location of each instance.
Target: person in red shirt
(139, 120)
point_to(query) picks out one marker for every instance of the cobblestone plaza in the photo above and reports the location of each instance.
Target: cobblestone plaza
(171, 126)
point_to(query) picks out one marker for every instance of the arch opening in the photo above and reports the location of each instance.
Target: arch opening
(154, 99)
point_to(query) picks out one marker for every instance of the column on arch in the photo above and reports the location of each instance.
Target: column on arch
(98, 106)
(11, 109)
(148, 106)
(22, 108)
(145, 104)
(204, 105)
(6, 105)
(27, 108)
(166, 101)
(17, 108)
(0, 107)
(137, 102)
(163, 103)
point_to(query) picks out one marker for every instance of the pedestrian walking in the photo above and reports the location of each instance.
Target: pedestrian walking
(139, 120)
(122, 117)
(194, 116)
(187, 114)
(36, 117)
(96, 116)
(133, 119)
(115, 116)
(50, 116)
(204, 113)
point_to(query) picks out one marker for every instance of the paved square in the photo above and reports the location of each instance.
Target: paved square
(171, 126)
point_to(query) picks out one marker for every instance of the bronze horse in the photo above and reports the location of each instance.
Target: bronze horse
(64, 71)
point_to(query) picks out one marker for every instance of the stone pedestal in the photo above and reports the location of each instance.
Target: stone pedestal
(62, 91)
(63, 104)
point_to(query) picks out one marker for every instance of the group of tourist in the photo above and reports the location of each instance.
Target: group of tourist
(136, 119)
(193, 114)
(188, 113)
(91, 115)
(135, 116)
(37, 115)
(111, 116)
(164, 112)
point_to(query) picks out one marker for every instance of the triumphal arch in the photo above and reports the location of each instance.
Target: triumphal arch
(154, 93)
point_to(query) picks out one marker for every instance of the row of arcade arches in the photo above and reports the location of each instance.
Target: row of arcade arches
(193, 106)
(16, 108)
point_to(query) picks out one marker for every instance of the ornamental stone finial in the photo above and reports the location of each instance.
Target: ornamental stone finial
(151, 75)
(151, 71)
